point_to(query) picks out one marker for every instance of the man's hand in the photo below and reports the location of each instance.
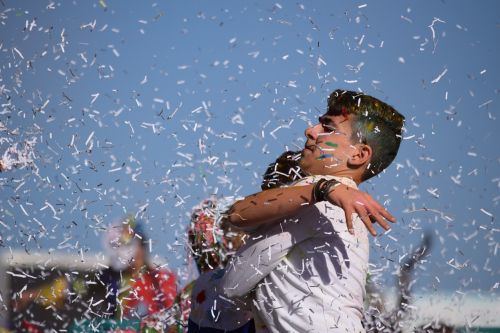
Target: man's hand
(355, 201)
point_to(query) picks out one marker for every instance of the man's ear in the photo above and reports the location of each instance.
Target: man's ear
(361, 155)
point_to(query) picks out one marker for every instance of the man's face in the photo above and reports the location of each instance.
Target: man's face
(328, 146)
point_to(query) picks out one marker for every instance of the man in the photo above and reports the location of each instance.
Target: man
(306, 259)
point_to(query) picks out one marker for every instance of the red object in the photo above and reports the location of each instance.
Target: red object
(200, 298)
(30, 328)
(157, 289)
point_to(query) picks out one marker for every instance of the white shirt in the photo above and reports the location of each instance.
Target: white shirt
(307, 271)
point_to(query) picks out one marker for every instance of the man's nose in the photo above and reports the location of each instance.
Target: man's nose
(311, 132)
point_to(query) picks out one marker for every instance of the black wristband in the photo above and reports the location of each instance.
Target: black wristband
(328, 187)
(316, 192)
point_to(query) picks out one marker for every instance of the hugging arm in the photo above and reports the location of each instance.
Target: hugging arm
(255, 260)
(272, 205)
(267, 247)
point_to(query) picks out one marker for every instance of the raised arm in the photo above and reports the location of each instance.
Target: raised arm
(272, 205)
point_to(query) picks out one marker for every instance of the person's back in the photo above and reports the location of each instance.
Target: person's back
(321, 278)
(311, 269)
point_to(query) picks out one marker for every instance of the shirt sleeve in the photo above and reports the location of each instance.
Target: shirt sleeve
(265, 248)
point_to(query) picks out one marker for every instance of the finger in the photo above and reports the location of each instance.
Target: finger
(380, 220)
(364, 216)
(377, 216)
(369, 225)
(388, 216)
(379, 209)
(348, 221)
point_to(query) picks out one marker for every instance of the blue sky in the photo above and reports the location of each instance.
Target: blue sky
(149, 107)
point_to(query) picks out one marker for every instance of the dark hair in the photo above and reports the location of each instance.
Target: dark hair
(283, 171)
(374, 123)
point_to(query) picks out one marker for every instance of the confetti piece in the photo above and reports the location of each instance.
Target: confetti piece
(89, 138)
(436, 80)
(95, 96)
(488, 102)
(19, 53)
(321, 62)
(487, 213)
(431, 26)
(433, 192)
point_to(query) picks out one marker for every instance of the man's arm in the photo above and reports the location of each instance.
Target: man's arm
(265, 207)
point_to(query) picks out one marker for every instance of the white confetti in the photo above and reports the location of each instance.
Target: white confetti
(19, 53)
(436, 80)
(487, 213)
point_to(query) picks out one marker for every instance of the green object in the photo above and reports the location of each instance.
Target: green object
(331, 144)
(478, 330)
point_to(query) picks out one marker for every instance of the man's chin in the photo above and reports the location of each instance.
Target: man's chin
(304, 162)
(306, 152)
